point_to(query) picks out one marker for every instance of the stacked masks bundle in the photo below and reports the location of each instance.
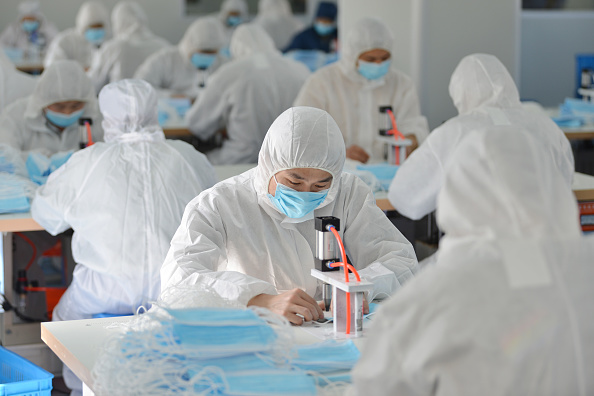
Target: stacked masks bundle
(217, 351)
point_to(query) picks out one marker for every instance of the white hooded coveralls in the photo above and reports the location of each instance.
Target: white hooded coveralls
(245, 96)
(23, 124)
(277, 19)
(14, 36)
(170, 69)
(13, 83)
(354, 101)
(72, 44)
(233, 240)
(124, 199)
(132, 43)
(507, 309)
(484, 94)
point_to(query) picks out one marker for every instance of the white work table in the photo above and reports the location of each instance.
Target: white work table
(78, 343)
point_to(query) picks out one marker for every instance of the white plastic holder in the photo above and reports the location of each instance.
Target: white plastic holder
(394, 144)
(587, 94)
(339, 290)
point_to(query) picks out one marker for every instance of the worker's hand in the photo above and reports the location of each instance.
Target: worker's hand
(356, 153)
(290, 304)
(413, 146)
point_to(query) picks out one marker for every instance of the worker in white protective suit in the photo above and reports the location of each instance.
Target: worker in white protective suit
(13, 83)
(276, 18)
(124, 199)
(232, 14)
(47, 120)
(251, 238)
(245, 96)
(484, 94)
(82, 42)
(507, 308)
(184, 69)
(353, 89)
(31, 33)
(132, 43)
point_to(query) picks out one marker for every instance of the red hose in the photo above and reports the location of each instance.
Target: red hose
(26, 239)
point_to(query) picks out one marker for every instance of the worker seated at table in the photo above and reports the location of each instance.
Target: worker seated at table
(507, 309)
(131, 44)
(251, 238)
(322, 35)
(124, 199)
(353, 89)
(30, 34)
(184, 69)
(47, 120)
(485, 94)
(245, 96)
(82, 42)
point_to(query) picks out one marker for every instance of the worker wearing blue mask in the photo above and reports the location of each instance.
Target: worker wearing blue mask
(184, 69)
(251, 238)
(32, 31)
(82, 42)
(322, 35)
(232, 14)
(353, 89)
(47, 121)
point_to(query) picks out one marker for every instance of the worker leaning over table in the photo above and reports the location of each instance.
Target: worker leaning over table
(251, 238)
(485, 94)
(507, 309)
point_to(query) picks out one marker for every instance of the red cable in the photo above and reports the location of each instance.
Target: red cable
(89, 134)
(397, 135)
(26, 239)
(346, 267)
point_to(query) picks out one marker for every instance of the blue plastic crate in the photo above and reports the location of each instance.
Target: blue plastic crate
(20, 377)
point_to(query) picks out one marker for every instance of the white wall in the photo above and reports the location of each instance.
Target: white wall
(550, 41)
(433, 35)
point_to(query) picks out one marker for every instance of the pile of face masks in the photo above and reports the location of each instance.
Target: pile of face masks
(40, 166)
(217, 351)
(16, 190)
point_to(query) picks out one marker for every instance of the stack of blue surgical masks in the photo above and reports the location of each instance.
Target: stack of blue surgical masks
(575, 113)
(16, 193)
(218, 351)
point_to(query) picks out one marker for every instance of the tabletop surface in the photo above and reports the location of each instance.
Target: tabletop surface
(78, 343)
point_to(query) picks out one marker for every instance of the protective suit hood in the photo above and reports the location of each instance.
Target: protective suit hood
(274, 8)
(233, 5)
(91, 13)
(30, 8)
(367, 34)
(128, 18)
(301, 137)
(63, 81)
(249, 39)
(482, 80)
(203, 34)
(129, 110)
(503, 167)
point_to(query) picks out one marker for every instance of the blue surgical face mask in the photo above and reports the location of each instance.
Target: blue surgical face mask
(327, 356)
(202, 61)
(95, 35)
(269, 382)
(296, 204)
(324, 29)
(63, 120)
(372, 70)
(233, 20)
(30, 26)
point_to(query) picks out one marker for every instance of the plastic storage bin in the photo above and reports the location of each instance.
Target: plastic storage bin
(19, 377)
